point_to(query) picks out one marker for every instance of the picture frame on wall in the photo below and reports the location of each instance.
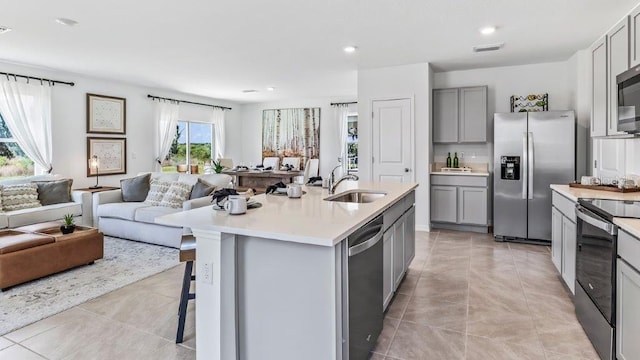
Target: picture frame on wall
(111, 153)
(106, 114)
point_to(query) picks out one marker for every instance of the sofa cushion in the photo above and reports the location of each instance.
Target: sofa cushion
(157, 190)
(19, 196)
(42, 214)
(28, 179)
(220, 181)
(135, 189)
(167, 177)
(150, 213)
(177, 194)
(201, 189)
(190, 179)
(125, 211)
(54, 192)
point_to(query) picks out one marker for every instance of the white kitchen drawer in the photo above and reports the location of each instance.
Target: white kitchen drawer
(565, 206)
(629, 249)
(461, 180)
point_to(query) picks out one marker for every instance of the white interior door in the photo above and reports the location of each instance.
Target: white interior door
(392, 141)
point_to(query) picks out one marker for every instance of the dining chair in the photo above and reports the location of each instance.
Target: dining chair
(274, 162)
(311, 169)
(226, 163)
(293, 161)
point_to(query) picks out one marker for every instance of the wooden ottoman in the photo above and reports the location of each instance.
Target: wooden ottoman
(34, 251)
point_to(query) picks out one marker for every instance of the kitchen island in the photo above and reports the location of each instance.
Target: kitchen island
(270, 282)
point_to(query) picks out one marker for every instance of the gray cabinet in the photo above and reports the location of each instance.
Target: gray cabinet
(617, 62)
(472, 205)
(628, 297)
(599, 111)
(563, 238)
(556, 238)
(445, 115)
(387, 261)
(473, 114)
(460, 115)
(634, 37)
(569, 253)
(444, 204)
(398, 244)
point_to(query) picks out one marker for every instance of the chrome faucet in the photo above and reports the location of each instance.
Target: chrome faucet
(333, 183)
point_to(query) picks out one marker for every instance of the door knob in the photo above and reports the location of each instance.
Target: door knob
(407, 169)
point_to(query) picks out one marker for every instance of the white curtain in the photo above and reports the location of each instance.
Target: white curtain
(166, 123)
(341, 116)
(26, 109)
(217, 118)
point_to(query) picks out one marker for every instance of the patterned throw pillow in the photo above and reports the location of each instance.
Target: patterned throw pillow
(177, 194)
(156, 192)
(20, 196)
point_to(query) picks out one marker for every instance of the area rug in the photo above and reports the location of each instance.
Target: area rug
(124, 262)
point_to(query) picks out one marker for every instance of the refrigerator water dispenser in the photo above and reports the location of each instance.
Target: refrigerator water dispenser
(510, 167)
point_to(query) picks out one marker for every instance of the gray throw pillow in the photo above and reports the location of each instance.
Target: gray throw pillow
(201, 189)
(54, 192)
(135, 189)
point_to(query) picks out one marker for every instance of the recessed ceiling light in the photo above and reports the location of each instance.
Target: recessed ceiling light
(248, 91)
(66, 22)
(4, 29)
(488, 30)
(349, 49)
(271, 88)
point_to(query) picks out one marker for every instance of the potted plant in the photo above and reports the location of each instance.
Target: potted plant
(69, 224)
(216, 166)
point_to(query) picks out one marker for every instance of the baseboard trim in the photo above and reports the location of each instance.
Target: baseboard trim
(459, 227)
(426, 228)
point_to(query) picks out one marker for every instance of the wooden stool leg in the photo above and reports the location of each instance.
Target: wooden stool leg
(184, 300)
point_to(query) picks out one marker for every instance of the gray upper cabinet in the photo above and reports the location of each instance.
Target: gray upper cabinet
(634, 33)
(617, 61)
(473, 114)
(445, 115)
(599, 85)
(460, 115)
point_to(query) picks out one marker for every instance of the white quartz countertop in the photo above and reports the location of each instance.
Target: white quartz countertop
(452, 173)
(307, 220)
(630, 225)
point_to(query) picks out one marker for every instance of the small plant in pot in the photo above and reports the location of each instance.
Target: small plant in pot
(69, 225)
(217, 167)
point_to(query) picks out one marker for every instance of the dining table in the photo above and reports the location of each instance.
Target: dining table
(261, 179)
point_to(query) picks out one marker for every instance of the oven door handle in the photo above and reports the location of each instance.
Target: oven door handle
(590, 218)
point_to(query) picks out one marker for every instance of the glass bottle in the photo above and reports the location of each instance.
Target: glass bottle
(449, 160)
(455, 160)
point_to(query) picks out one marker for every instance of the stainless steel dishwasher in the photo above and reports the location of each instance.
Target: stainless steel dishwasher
(364, 288)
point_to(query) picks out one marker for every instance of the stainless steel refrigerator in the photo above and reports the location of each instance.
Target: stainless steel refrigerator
(531, 151)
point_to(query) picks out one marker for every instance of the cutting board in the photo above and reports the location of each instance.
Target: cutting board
(611, 188)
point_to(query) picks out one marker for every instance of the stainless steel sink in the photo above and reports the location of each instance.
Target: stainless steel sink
(357, 196)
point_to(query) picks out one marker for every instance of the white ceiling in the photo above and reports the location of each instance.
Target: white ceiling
(219, 48)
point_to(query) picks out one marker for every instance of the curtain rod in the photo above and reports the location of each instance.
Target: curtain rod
(8, 75)
(344, 103)
(189, 102)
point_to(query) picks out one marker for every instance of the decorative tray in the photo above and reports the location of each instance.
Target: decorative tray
(612, 188)
(463, 169)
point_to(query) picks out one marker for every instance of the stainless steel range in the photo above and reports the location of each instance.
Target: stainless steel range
(596, 251)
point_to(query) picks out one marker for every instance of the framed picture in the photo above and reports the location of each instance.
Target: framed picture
(291, 133)
(111, 153)
(106, 114)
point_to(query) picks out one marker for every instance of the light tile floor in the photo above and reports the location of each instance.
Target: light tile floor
(464, 297)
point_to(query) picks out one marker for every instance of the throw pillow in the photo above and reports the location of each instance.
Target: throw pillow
(20, 196)
(135, 189)
(177, 194)
(156, 192)
(54, 192)
(201, 189)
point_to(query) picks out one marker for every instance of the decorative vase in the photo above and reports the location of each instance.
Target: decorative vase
(67, 229)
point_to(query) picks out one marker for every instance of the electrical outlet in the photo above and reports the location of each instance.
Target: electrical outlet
(462, 155)
(473, 155)
(206, 273)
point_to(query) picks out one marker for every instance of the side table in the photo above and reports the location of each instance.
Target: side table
(87, 209)
(94, 190)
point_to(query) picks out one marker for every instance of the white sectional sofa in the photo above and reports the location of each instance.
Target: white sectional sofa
(135, 220)
(80, 204)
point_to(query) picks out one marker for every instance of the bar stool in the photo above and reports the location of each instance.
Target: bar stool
(188, 255)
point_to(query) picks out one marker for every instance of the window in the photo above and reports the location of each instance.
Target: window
(352, 144)
(13, 161)
(191, 148)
